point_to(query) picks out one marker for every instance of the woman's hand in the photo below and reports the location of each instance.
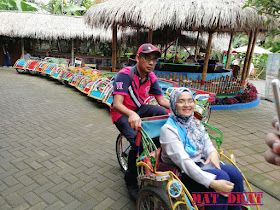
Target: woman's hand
(222, 186)
(214, 159)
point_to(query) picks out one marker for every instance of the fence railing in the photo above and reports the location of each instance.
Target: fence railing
(221, 85)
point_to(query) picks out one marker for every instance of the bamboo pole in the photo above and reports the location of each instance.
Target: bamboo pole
(229, 49)
(251, 53)
(22, 47)
(150, 36)
(207, 56)
(72, 51)
(77, 46)
(114, 48)
(196, 46)
(174, 57)
(247, 55)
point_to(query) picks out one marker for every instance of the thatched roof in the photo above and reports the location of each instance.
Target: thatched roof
(220, 42)
(46, 26)
(218, 15)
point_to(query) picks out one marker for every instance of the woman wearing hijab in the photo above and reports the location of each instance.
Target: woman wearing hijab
(186, 144)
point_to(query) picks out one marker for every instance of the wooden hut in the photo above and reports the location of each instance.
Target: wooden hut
(222, 16)
(35, 25)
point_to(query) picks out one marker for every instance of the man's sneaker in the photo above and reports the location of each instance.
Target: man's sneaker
(10, 67)
(133, 191)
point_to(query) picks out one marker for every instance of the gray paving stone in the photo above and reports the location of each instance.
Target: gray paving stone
(2, 201)
(25, 180)
(54, 206)
(123, 203)
(32, 198)
(5, 207)
(48, 197)
(48, 164)
(65, 197)
(73, 205)
(98, 195)
(55, 178)
(112, 193)
(12, 189)
(44, 188)
(14, 200)
(22, 206)
(40, 179)
(10, 181)
(81, 196)
(59, 187)
(88, 205)
(28, 188)
(104, 204)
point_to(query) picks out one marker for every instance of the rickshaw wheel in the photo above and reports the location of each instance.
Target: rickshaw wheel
(122, 150)
(32, 72)
(153, 197)
(20, 71)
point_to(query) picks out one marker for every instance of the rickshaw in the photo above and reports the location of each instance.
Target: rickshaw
(20, 65)
(98, 89)
(31, 65)
(160, 184)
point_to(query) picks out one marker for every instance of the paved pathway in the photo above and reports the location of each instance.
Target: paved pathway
(260, 85)
(57, 147)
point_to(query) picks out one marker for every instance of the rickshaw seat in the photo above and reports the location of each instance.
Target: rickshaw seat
(160, 165)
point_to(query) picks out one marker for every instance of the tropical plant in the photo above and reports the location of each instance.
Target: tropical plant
(105, 49)
(69, 7)
(61, 7)
(248, 95)
(21, 5)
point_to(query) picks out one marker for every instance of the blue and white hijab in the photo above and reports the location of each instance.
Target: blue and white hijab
(191, 131)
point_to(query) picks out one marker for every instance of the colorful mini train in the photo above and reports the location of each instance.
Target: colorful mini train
(92, 82)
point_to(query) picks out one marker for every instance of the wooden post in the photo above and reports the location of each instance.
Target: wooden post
(150, 36)
(76, 46)
(229, 49)
(207, 56)
(114, 48)
(22, 47)
(72, 51)
(196, 46)
(247, 55)
(251, 54)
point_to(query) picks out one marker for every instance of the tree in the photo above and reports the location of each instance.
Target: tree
(61, 7)
(270, 7)
(69, 7)
(20, 5)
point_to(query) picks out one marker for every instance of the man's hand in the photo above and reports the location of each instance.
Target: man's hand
(134, 120)
(222, 186)
(214, 159)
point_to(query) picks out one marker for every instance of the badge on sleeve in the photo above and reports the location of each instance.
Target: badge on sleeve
(119, 85)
